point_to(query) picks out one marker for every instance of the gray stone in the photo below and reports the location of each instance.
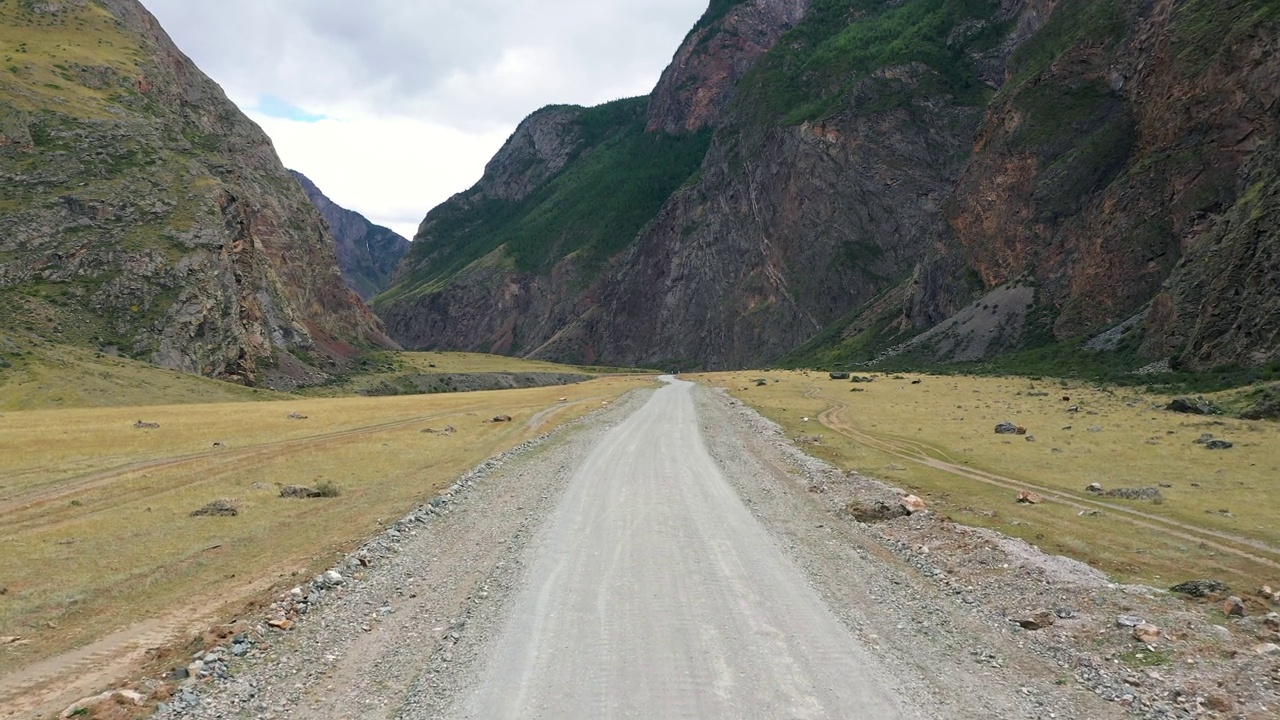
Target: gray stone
(1201, 588)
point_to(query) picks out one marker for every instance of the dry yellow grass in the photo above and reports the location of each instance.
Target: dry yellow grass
(395, 365)
(41, 53)
(97, 532)
(937, 439)
(46, 375)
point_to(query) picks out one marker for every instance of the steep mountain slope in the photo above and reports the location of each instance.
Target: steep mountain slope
(1003, 174)
(367, 254)
(1119, 151)
(1125, 172)
(502, 267)
(143, 212)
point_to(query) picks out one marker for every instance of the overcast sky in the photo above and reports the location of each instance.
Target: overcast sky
(391, 106)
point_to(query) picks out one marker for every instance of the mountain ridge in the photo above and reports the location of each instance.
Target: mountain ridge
(875, 169)
(368, 254)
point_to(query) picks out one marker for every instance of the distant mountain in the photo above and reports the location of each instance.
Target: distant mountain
(367, 254)
(832, 181)
(143, 213)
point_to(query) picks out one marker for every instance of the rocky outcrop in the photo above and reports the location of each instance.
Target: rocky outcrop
(787, 230)
(511, 263)
(1128, 167)
(1220, 306)
(144, 212)
(367, 254)
(702, 79)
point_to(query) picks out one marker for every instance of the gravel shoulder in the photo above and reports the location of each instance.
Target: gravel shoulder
(421, 612)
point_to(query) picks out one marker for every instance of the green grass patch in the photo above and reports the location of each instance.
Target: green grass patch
(1206, 30)
(1073, 22)
(809, 74)
(1147, 658)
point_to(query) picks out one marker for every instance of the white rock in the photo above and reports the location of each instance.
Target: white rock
(333, 578)
(87, 703)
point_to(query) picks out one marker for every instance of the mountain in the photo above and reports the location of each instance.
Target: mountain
(367, 254)
(831, 180)
(143, 213)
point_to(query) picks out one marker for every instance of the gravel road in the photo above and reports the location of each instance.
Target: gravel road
(656, 593)
(660, 559)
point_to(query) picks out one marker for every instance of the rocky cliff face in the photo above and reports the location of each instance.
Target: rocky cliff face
(702, 79)
(508, 265)
(367, 254)
(143, 212)
(1111, 169)
(876, 169)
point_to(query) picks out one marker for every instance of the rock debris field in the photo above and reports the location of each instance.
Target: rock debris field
(675, 555)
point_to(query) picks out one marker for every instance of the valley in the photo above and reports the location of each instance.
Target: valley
(907, 359)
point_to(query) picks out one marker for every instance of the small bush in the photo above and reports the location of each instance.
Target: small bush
(327, 489)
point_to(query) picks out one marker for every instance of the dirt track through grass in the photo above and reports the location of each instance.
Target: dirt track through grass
(99, 557)
(920, 453)
(1216, 520)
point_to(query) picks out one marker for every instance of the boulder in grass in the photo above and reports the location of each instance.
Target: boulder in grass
(839, 376)
(1026, 497)
(1201, 588)
(1189, 406)
(1006, 428)
(218, 508)
(300, 492)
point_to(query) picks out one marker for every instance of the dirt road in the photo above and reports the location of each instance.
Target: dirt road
(657, 594)
(664, 558)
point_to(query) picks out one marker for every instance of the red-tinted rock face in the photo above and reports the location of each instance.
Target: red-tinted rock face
(1125, 155)
(703, 77)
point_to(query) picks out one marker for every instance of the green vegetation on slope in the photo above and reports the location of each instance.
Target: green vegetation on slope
(715, 12)
(593, 208)
(811, 73)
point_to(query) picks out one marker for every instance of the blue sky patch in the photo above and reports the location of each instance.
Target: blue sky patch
(272, 106)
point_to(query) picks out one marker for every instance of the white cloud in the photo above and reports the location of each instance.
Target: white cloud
(418, 94)
(392, 170)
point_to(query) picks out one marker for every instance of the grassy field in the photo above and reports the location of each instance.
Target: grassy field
(43, 375)
(98, 540)
(386, 367)
(937, 439)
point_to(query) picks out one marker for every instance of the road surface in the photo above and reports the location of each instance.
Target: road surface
(657, 594)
